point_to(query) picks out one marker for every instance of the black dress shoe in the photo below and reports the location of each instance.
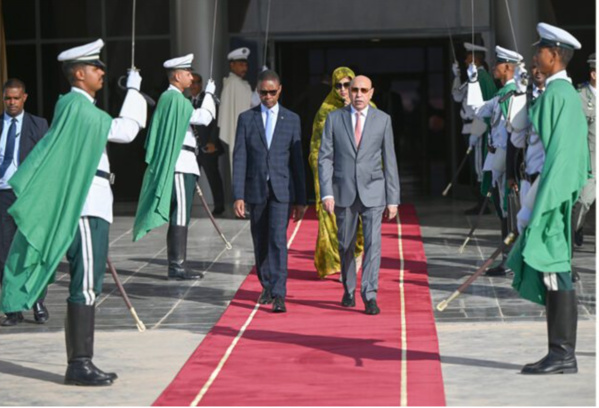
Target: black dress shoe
(218, 210)
(265, 297)
(575, 276)
(278, 305)
(40, 312)
(12, 319)
(496, 271)
(183, 274)
(348, 300)
(84, 372)
(372, 308)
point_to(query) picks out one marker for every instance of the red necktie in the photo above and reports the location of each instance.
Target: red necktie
(358, 130)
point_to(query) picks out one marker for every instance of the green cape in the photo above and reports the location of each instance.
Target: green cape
(51, 187)
(504, 108)
(545, 244)
(163, 146)
(488, 89)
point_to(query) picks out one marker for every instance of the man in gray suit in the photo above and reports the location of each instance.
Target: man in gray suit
(358, 177)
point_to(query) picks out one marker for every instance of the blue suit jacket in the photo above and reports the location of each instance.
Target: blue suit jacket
(32, 131)
(283, 162)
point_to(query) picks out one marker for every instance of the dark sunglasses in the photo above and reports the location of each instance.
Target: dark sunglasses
(271, 93)
(362, 90)
(340, 85)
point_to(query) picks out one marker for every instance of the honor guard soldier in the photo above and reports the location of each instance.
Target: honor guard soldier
(459, 92)
(528, 140)
(587, 195)
(236, 97)
(64, 205)
(541, 257)
(496, 110)
(170, 179)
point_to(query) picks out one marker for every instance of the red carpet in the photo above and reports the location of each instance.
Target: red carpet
(319, 353)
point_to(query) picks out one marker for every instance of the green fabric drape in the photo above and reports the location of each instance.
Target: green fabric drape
(51, 187)
(163, 146)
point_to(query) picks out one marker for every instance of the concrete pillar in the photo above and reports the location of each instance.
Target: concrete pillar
(193, 25)
(525, 16)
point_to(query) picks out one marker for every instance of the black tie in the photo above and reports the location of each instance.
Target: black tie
(9, 150)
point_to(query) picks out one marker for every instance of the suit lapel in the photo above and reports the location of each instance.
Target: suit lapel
(260, 125)
(348, 127)
(280, 119)
(25, 132)
(366, 127)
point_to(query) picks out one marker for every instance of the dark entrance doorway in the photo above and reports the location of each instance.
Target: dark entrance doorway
(411, 81)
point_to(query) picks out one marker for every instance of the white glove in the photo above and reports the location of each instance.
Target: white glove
(521, 78)
(472, 73)
(455, 68)
(134, 80)
(473, 140)
(210, 87)
(264, 68)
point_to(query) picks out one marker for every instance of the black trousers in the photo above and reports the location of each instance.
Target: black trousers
(209, 164)
(8, 228)
(268, 222)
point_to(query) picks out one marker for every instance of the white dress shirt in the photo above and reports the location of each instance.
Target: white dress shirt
(99, 198)
(363, 115)
(274, 111)
(187, 162)
(3, 139)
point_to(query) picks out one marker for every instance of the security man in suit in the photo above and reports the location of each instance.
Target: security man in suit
(209, 147)
(20, 131)
(587, 194)
(268, 174)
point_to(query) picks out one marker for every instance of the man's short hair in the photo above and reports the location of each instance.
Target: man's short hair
(69, 70)
(14, 83)
(565, 54)
(269, 75)
(195, 74)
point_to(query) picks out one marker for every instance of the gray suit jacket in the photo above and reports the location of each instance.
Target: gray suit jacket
(370, 170)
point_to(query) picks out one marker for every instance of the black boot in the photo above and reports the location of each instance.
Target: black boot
(176, 243)
(79, 335)
(562, 319)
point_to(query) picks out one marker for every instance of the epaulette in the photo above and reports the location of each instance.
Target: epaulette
(582, 85)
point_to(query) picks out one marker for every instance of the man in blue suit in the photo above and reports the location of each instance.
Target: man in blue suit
(19, 133)
(268, 175)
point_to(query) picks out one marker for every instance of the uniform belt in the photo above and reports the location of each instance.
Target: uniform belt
(531, 177)
(194, 150)
(105, 175)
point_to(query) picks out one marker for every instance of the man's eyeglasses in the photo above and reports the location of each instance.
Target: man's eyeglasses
(340, 85)
(271, 93)
(362, 90)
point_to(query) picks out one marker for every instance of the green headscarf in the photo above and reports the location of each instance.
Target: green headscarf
(332, 102)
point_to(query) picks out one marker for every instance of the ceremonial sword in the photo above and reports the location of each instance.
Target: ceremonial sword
(148, 99)
(457, 172)
(506, 243)
(475, 225)
(140, 325)
(199, 191)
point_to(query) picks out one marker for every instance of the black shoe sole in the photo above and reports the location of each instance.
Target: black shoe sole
(562, 371)
(85, 384)
(349, 304)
